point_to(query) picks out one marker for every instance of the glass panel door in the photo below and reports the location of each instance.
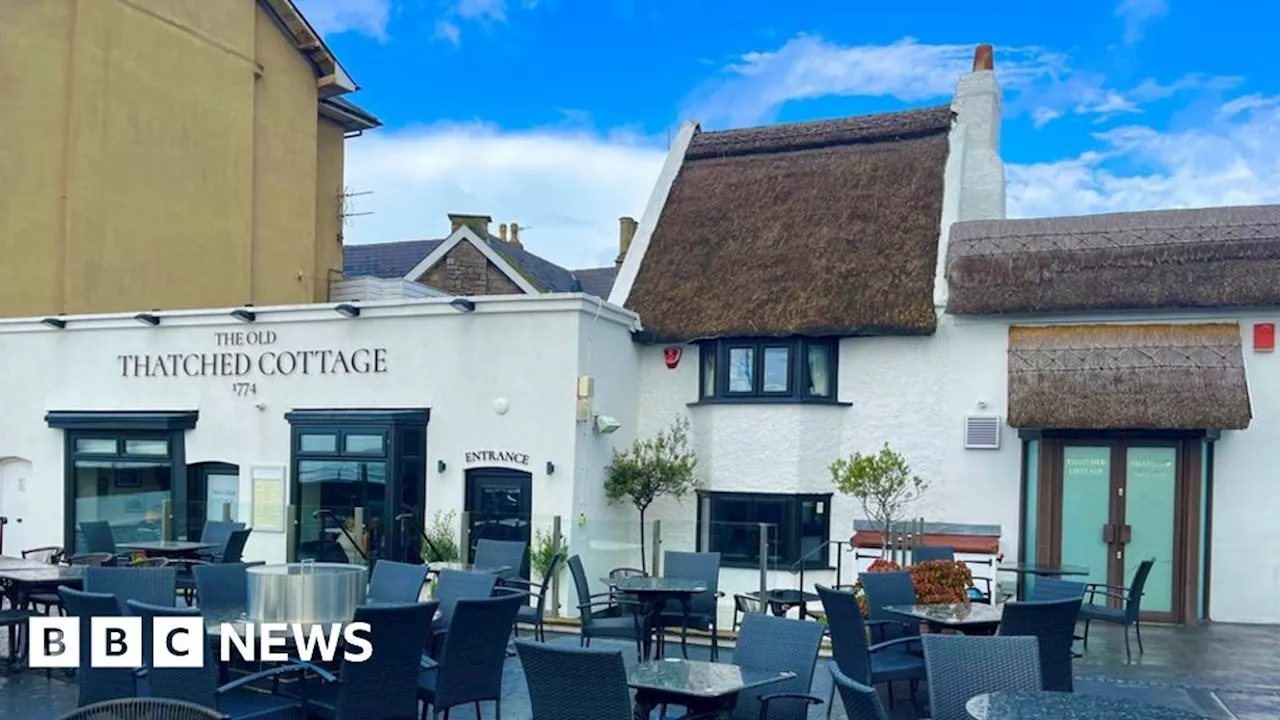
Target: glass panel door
(1086, 508)
(1149, 495)
(500, 504)
(329, 493)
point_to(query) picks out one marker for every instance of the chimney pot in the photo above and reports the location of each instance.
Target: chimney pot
(479, 224)
(502, 232)
(515, 234)
(984, 58)
(626, 233)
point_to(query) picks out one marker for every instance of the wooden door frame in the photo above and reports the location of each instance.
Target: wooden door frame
(1187, 528)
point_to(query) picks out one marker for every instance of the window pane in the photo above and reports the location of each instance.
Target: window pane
(820, 371)
(813, 530)
(709, 371)
(318, 443)
(97, 446)
(777, 368)
(742, 366)
(146, 447)
(330, 491)
(364, 444)
(128, 495)
(733, 532)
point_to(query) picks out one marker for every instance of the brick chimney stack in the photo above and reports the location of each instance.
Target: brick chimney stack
(502, 232)
(984, 58)
(626, 232)
(479, 224)
(515, 234)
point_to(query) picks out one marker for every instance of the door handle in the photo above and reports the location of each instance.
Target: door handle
(1126, 534)
(1108, 533)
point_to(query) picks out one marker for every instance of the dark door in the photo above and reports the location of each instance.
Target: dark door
(500, 506)
(211, 487)
(1120, 502)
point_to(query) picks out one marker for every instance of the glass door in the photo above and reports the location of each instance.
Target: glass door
(1148, 524)
(500, 504)
(1086, 510)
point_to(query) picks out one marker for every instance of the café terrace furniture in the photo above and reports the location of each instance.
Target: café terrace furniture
(743, 605)
(886, 662)
(968, 618)
(961, 667)
(15, 621)
(1054, 589)
(386, 684)
(782, 600)
(435, 568)
(452, 587)
(1125, 616)
(704, 689)
(625, 572)
(150, 585)
(1053, 624)
(97, 684)
(203, 685)
(883, 589)
(218, 533)
(929, 553)
(223, 587)
(168, 548)
(509, 554)
(1042, 570)
(144, 709)
(533, 614)
(860, 701)
(1049, 705)
(468, 669)
(396, 582)
(98, 537)
(22, 585)
(603, 615)
(704, 608)
(652, 595)
(780, 645)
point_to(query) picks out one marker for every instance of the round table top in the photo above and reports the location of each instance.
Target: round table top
(1045, 705)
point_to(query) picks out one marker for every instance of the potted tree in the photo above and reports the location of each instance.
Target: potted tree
(652, 468)
(882, 482)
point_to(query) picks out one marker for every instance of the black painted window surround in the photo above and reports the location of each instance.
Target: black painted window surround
(768, 370)
(798, 526)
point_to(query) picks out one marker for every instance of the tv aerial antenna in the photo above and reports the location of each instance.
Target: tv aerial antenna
(346, 205)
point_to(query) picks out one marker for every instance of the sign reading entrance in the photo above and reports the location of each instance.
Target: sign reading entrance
(500, 456)
(230, 362)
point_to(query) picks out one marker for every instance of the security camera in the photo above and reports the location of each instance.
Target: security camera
(606, 424)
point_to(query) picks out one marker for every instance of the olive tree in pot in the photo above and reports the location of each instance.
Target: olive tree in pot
(652, 468)
(882, 482)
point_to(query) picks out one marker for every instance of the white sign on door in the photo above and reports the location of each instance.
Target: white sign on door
(223, 489)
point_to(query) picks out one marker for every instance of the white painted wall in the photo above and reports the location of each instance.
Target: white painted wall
(914, 393)
(525, 351)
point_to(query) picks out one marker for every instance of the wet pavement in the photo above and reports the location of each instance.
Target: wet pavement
(1222, 672)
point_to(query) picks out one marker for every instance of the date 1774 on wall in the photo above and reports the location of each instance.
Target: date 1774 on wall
(244, 389)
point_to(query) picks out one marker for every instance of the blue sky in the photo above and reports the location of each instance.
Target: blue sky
(556, 113)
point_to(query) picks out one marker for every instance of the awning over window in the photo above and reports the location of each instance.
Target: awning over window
(120, 420)
(1113, 377)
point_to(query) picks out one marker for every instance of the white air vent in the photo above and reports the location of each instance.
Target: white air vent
(982, 432)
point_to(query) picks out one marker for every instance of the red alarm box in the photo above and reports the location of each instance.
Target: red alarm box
(1264, 337)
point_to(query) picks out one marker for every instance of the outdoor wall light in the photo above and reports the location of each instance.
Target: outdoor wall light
(462, 305)
(551, 468)
(440, 466)
(55, 323)
(244, 315)
(147, 319)
(606, 425)
(347, 309)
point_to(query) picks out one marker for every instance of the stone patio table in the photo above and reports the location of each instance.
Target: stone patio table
(653, 594)
(169, 548)
(435, 568)
(781, 600)
(701, 687)
(1044, 705)
(971, 618)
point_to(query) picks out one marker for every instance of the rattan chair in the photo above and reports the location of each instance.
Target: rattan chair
(144, 709)
(396, 582)
(1053, 623)
(962, 667)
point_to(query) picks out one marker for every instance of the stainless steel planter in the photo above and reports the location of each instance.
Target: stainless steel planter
(306, 592)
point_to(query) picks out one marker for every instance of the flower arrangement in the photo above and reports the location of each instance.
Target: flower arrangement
(877, 565)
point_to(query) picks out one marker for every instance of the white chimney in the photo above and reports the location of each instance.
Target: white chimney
(977, 107)
(975, 173)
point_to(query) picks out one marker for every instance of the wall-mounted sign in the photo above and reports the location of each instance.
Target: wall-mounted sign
(477, 457)
(228, 362)
(268, 498)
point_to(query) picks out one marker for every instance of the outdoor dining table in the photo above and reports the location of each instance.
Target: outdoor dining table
(19, 583)
(1045, 705)
(967, 618)
(1042, 570)
(781, 600)
(434, 568)
(700, 687)
(14, 563)
(653, 594)
(169, 548)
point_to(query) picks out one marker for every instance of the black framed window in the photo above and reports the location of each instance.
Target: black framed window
(768, 370)
(730, 524)
(124, 478)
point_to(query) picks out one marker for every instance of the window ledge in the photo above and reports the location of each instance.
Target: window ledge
(769, 401)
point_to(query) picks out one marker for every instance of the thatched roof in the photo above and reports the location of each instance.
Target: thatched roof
(819, 228)
(1211, 257)
(1109, 377)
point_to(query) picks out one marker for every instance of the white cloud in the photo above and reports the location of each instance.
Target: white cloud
(1138, 14)
(334, 17)
(482, 12)
(1228, 161)
(567, 188)
(807, 67)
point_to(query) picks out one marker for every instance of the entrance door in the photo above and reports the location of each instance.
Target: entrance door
(500, 506)
(211, 486)
(1122, 503)
(15, 481)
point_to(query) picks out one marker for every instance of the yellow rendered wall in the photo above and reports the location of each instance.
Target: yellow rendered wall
(330, 187)
(158, 154)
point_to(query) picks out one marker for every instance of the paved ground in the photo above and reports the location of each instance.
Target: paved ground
(1220, 671)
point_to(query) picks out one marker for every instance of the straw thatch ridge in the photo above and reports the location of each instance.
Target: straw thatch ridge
(1203, 258)
(824, 228)
(1113, 377)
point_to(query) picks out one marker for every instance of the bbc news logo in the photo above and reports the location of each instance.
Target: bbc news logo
(181, 642)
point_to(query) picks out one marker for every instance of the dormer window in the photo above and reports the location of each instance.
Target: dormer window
(768, 370)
